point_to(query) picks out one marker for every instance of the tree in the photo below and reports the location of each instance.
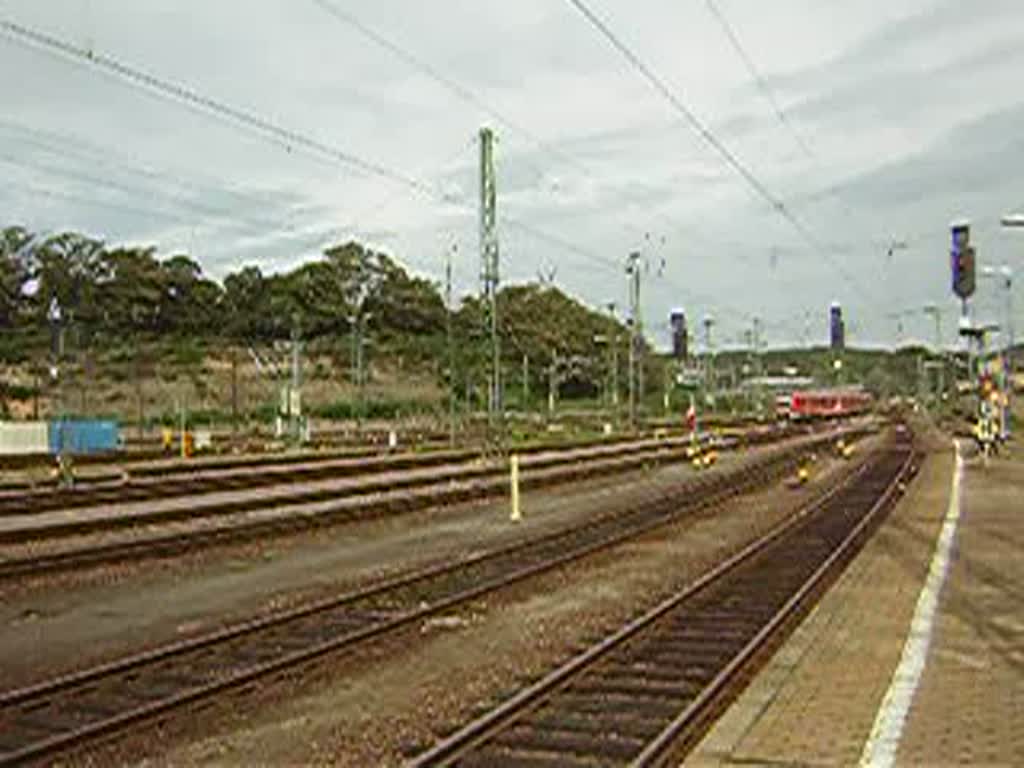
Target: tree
(68, 267)
(14, 273)
(244, 303)
(132, 296)
(190, 302)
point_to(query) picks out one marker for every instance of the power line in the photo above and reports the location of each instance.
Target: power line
(73, 146)
(105, 153)
(206, 104)
(91, 201)
(460, 90)
(761, 83)
(239, 117)
(617, 268)
(371, 211)
(714, 142)
(110, 184)
(138, 211)
(466, 94)
(769, 95)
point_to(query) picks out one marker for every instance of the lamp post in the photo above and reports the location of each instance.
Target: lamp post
(709, 357)
(1010, 221)
(935, 313)
(1005, 274)
(614, 346)
(55, 315)
(601, 340)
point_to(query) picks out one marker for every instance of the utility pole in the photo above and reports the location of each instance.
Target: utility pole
(360, 362)
(633, 273)
(56, 317)
(234, 393)
(709, 373)
(451, 346)
(294, 398)
(614, 345)
(940, 384)
(357, 321)
(35, 394)
(1005, 276)
(489, 265)
(140, 415)
(667, 396)
(758, 369)
(526, 381)
(552, 382)
(353, 321)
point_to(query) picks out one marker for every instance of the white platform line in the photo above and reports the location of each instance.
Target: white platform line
(883, 744)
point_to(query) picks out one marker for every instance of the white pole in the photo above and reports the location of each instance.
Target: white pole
(181, 424)
(516, 515)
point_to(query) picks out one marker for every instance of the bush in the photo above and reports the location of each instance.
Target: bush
(341, 410)
(18, 391)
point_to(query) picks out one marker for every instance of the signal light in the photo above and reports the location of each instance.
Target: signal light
(962, 259)
(963, 273)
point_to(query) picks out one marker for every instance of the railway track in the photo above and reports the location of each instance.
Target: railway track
(165, 480)
(209, 522)
(55, 715)
(35, 525)
(644, 696)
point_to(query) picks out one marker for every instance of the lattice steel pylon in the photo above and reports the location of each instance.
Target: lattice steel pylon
(489, 265)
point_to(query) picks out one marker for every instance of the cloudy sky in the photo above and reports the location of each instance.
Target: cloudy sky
(893, 119)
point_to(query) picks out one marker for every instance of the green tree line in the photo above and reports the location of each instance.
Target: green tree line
(110, 294)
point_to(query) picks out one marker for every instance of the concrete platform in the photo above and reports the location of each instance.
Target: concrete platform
(916, 655)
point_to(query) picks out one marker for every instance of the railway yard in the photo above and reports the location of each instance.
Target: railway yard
(383, 609)
(519, 385)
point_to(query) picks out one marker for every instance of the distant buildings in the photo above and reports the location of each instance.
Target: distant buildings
(680, 334)
(836, 327)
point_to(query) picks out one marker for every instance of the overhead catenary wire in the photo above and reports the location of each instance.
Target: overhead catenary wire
(58, 148)
(136, 211)
(769, 96)
(470, 96)
(76, 147)
(460, 90)
(759, 80)
(207, 105)
(152, 213)
(109, 184)
(282, 136)
(708, 136)
(286, 137)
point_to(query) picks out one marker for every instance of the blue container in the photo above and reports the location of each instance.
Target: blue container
(83, 436)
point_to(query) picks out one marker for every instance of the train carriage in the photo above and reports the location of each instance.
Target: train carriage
(828, 403)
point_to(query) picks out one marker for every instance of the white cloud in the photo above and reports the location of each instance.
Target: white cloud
(888, 96)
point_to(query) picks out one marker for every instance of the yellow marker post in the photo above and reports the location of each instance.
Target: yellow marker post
(516, 515)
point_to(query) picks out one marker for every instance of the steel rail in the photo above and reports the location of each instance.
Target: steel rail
(523, 560)
(189, 482)
(461, 745)
(430, 493)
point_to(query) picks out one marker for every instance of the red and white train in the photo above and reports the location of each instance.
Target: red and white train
(822, 404)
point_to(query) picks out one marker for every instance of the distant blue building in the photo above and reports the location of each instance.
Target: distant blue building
(680, 335)
(836, 327)
(82, 436)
